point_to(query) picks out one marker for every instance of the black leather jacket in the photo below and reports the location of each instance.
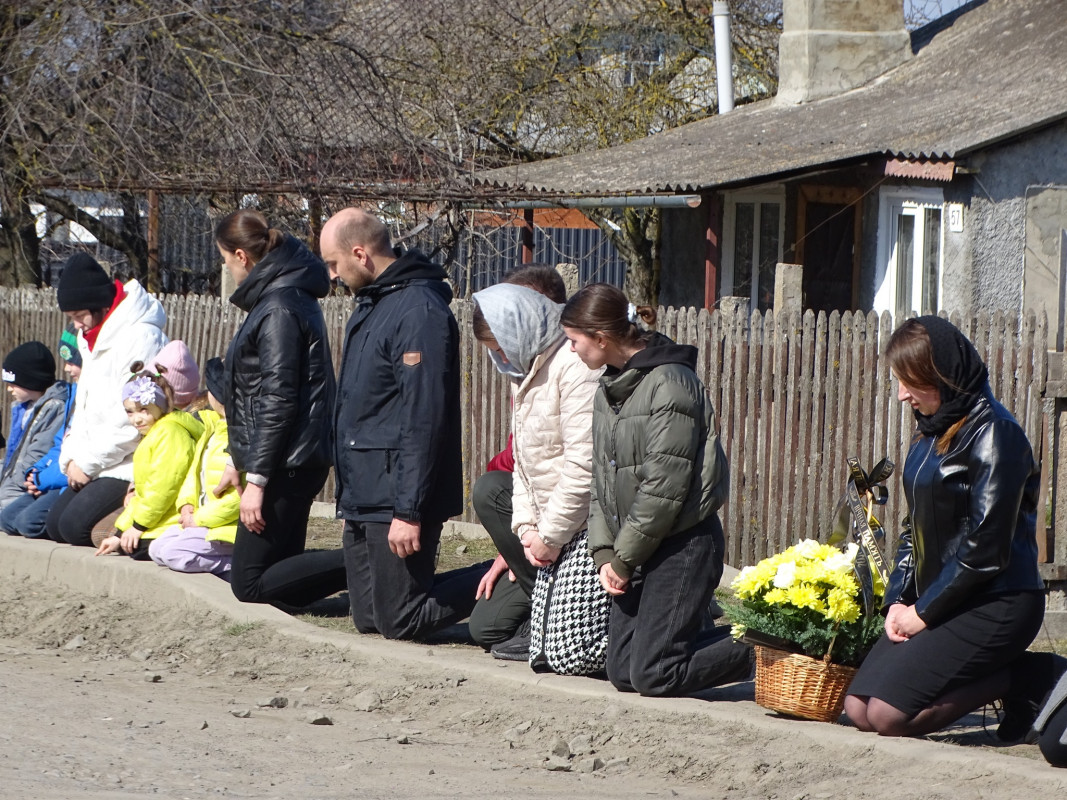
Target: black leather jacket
(973, 512)
(278, 366)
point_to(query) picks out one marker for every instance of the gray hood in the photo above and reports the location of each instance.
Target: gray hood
(524, 323)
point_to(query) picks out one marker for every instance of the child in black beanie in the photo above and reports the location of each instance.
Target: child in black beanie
(37, 413)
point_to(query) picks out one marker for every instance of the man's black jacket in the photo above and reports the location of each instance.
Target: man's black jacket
(397, 426)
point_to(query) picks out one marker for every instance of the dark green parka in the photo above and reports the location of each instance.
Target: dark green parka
(658, 467)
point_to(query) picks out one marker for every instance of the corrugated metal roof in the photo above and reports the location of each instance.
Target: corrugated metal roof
(995, 72)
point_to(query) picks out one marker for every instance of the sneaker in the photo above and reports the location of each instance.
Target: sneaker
(517, 648)
(1033, 675)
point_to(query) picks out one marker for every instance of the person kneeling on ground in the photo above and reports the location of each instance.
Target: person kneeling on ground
(552, 405)
(398, 454)
(279, 398)
(965, 599)
(500, 621)
(203, 540)
(659, 477)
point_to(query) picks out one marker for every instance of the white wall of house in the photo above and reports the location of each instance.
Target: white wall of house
(987, 269)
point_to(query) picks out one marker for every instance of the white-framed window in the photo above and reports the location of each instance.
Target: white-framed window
(910, 251)
(753, 230)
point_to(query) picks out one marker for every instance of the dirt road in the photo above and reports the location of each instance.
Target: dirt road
(107, 699)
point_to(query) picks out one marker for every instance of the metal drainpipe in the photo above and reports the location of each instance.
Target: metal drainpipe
(630, 201)
(724, 68)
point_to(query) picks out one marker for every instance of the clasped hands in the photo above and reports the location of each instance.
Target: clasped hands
(902, 622)
(537, 551)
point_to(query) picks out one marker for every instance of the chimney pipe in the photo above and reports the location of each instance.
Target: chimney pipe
(724, 67)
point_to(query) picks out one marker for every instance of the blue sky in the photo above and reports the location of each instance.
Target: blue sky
(926, 10)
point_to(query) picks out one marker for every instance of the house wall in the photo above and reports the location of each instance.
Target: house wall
(1008, 257)
(991, 268)
(682, 255)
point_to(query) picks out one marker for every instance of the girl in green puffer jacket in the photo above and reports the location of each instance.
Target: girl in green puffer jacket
(659, 476)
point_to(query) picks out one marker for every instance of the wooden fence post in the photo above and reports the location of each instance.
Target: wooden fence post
(788, 283)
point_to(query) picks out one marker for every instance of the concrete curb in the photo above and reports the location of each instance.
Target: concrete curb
(79, 570)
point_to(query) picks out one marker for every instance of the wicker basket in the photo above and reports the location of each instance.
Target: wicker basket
(801, 686)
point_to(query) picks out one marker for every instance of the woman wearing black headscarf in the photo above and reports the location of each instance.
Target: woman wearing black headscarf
(965, 598)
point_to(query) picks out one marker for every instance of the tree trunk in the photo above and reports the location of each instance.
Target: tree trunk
(20, 249)
(635, 233)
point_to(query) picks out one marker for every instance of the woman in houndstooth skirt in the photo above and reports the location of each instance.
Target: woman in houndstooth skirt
(552, 394)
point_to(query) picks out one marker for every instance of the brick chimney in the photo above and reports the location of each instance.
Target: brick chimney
(830, 46)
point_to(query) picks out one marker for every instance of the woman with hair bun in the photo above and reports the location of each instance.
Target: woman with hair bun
(280, 382)
(659, 476)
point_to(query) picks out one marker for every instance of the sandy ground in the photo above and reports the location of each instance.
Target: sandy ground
(107, 699)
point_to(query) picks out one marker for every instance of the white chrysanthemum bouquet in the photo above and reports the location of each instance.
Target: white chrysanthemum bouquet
(809, 597)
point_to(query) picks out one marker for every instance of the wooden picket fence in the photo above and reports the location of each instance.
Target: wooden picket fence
(796, 395)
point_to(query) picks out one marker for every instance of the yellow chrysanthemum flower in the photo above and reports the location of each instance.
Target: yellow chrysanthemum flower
(805, 596)
(776, 597)
(842, 606)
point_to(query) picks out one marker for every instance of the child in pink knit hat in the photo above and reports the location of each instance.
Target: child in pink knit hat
(178, 367)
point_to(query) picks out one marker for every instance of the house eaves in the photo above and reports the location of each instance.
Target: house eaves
(993, 74)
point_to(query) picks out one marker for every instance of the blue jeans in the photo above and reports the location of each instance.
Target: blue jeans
(26, 514)
(655, 643)
(402, 598)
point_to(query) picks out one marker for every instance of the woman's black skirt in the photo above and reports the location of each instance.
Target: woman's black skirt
(984, 636)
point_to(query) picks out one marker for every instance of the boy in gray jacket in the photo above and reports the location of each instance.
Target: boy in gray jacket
(38, 411)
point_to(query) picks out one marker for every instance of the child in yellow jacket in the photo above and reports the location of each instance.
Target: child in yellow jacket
(160, 463)
(203, 540)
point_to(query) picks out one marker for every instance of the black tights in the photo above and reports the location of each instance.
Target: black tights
(872, 714)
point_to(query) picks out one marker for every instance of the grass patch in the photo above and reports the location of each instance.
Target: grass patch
(456, 552)
(241, 628)
(330, 623)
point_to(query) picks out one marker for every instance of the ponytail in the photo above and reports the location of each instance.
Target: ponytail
(602, 308)
(247, 230)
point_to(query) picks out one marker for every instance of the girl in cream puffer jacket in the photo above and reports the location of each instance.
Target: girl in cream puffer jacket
(551, 422)
(552, 399)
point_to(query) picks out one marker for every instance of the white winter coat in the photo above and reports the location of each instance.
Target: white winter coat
(101, 439)
(552, 427)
